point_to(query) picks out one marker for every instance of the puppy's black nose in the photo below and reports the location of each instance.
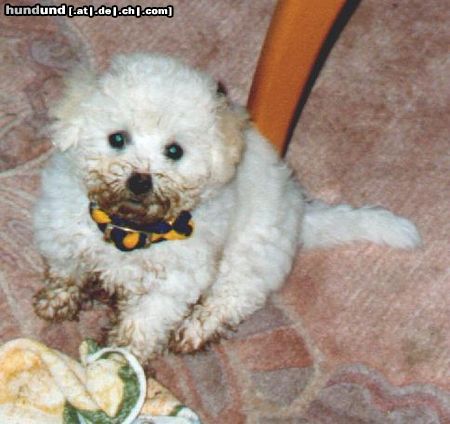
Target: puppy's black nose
(140, 183)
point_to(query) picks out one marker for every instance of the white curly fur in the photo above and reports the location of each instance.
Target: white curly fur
(250, 215)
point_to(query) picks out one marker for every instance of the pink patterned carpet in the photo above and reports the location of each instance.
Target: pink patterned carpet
(359, 334)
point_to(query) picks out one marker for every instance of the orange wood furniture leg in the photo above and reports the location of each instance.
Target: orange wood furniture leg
(296, 34)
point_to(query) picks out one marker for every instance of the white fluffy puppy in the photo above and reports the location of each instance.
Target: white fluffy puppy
(164, 192)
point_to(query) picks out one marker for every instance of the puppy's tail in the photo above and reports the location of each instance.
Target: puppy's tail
(325, 226)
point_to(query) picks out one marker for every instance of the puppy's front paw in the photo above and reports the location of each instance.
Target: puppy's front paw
(196, 331)
(57, 302)
(130, 334)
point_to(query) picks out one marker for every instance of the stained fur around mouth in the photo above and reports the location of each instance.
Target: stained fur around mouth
(108, 190)
(165, 202)
(140, 211)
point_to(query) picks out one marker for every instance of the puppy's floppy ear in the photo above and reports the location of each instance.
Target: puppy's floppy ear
(232, 120)
(78, 84)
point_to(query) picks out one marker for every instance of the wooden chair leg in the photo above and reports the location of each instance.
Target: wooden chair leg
(295, 37)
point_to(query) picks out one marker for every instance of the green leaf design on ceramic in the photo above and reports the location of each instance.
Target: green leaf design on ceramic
(131, 393)
(176, 410)
(92, 346)
(70, 414)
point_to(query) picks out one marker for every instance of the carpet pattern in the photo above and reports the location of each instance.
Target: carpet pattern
(359, 334)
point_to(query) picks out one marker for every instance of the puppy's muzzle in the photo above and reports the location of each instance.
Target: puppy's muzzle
(139, 183)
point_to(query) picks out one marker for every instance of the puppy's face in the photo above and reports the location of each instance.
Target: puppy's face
(149, 138)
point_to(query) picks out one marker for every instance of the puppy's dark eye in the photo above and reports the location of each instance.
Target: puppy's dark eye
(118, 139)
(174, 151)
